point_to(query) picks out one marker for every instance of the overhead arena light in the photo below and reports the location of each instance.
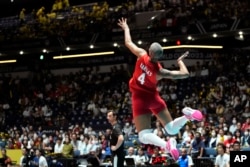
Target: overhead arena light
(193, 46)
(7, 61)
(84, 55)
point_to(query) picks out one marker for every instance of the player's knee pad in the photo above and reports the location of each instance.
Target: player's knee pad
(142, 135)
(171, 130)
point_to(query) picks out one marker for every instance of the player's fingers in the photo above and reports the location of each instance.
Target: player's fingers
(185, 54)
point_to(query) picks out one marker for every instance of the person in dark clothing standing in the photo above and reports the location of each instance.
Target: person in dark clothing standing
(25, 158)
(116, 140)
(5, 160)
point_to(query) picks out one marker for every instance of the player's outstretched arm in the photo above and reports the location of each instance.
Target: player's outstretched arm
(176, 74)
(128, 40)
(183, 69)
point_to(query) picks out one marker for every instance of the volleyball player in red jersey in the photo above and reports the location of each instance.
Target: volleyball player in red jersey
(145, 97)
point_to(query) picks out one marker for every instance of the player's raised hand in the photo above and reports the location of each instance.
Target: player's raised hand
(183, 56)
(123, 23)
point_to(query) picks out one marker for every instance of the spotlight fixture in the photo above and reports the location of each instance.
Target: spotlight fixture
(240, 37)
(164, 40)
(215, 35)
(68, 48)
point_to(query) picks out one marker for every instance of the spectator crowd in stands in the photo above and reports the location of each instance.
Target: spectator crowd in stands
(66, 114)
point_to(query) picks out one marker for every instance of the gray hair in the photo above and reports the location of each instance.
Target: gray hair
(155, 50)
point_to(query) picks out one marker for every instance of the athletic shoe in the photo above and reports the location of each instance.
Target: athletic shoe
(192, 114)
(171, 148)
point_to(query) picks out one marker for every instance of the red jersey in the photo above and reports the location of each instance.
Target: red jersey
(144, 76)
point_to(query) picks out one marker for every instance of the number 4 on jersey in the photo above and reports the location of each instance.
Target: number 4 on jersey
(141, 78)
